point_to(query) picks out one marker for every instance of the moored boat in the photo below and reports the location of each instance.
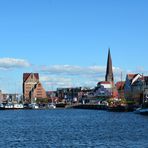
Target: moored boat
(18, 106)
(2, 107)
(142, 111)
(34, 106)
(51, 106)
(9, 106)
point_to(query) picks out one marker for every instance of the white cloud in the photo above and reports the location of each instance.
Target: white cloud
(73, 76)
(7, 63)
(53, 82)
(54, 79)
(72, 70)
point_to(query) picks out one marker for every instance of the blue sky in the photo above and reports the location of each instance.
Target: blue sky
(67, 41)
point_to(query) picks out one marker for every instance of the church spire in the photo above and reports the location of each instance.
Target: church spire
(109, 71)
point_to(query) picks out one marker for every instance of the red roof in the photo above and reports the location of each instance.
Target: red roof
(131, 76)
(104, 82)
(26, 75)
(120, 85)
(115, 94)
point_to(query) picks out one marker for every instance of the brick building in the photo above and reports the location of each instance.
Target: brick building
(32, 88)
(120, 89)
(38, 91)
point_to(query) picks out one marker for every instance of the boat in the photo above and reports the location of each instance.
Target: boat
(142, 111)
(9, 106)
(2, 107)
(34, 106)
(18, 106)
(144, 106)
(137, 111)
(51, 106)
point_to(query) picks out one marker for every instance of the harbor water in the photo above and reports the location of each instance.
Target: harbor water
(74, 128)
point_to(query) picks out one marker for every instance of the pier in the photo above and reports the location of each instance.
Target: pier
(87, 106)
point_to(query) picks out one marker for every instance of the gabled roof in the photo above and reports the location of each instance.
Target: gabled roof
(104, 82)
(136, 77)
(26, 75)
(120, 85)
(131, 76)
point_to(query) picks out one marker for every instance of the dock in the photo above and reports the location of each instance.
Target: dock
(88, 106)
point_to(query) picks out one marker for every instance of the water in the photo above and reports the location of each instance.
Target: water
(72, 128)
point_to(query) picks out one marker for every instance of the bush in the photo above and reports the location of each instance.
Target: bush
(42, 100)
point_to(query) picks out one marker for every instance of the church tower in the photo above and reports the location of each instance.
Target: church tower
(109, 71)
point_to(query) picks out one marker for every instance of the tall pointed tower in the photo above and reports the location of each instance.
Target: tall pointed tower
(109, 71)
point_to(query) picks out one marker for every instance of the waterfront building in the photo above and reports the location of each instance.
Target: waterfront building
(11, 98)
(133, 89)
(29, 81)
(109, 77)
(120, 88)
(106, 88)
(103, 89)
(52, 97)
(32, 88)
(38, 91)
(145, 92)
(69, 94)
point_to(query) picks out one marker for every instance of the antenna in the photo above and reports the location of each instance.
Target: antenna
(121, 76)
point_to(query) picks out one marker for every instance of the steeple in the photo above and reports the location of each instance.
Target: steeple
(109, 71)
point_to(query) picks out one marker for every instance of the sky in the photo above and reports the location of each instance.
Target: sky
(67, 41)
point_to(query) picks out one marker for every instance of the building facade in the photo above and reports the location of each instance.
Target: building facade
(106, 89)
(69, 94)
(103, 89)
(38, 91)
(32, 88)
(120, 89)
(133, 89)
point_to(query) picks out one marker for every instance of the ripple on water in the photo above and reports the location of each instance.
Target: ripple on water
(72, 128)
